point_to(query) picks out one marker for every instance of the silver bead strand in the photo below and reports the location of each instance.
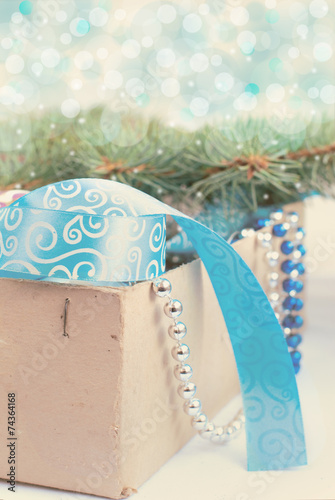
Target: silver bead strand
(183, 373)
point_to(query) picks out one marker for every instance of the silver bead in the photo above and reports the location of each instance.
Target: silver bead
(187, 391)
(207, 432)
(286, 226)
(199, 422)
(274, 298)
(273, 258)
(276, 215)
(246, 232)
(237, 425)
(299, 235)
(294, 273)
(293, 218)
(177, 331)
(173, 308)
(287, 331)
(162, 287)
(240, 416)
(273, 280)
(183, 372)
(218, 435)
(265, 239)
(180, 352)
(296, 255)
(228, 431)
(192, 407)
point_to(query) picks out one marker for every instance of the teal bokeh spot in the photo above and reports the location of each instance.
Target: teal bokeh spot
(26, 7)
(83, 27)
(272, 16)
(252, 88)
(247, 48)
(275, 64)
(143, 100)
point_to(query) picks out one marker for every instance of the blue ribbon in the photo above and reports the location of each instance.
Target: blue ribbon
(106, 232)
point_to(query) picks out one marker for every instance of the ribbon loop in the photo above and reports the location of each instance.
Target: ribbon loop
(106, 232)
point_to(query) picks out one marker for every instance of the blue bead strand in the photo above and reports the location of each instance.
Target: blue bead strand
(281, 228)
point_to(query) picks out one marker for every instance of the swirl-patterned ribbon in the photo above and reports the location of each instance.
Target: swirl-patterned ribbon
(102, 231)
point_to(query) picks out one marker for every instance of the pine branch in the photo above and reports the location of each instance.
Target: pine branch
(247, 162)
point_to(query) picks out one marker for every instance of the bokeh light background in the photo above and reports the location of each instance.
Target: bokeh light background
(187, 62)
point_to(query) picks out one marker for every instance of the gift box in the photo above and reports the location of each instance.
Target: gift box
(96, 406)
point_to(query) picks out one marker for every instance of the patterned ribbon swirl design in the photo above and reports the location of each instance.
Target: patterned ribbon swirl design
(108, 233)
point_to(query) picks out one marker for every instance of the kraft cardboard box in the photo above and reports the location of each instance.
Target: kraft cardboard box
(96, 406)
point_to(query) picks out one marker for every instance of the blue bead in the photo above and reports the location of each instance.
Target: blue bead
(289, 321)
(288, 285)
(288, 266)
(289, 303)
(294, 340)
(296, 368)
(279, 230)
(293, 304)
(298, 321)
(298, 305)
(301, 249)
(260, 223)
(287, 247)
(300, 268)
(298, 286)
(296, 357)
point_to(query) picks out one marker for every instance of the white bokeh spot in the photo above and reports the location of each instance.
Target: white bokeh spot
(318, 8)
(239, 16)
(199, 106)
(224, 82)
(199, 62)
(131, 49)
(50, 58)
(275, 92)
(192, 23)
(322, 51)
(170, 87)
(113, 79)
(14, 64)
(83, 60)
(98, 17)
(70, 108)
(327, 94)
(166, 58)
(166, 14)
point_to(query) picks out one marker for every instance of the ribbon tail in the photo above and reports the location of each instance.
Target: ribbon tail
(274, 427)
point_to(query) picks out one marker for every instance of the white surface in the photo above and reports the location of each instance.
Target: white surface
(202, 471)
